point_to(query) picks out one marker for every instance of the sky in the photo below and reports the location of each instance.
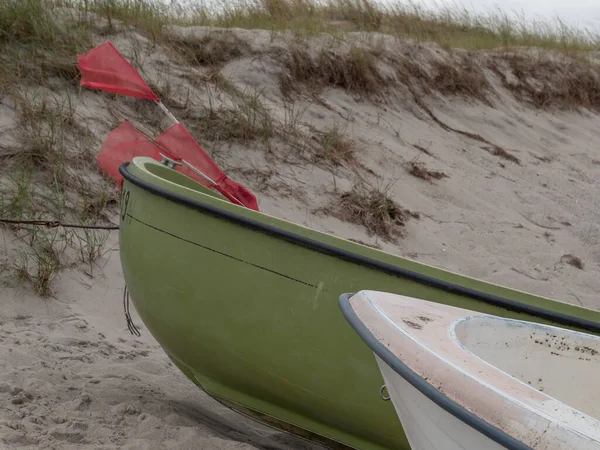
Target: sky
(577, 13)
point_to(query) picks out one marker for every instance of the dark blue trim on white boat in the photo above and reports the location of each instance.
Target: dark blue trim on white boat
(426, 280)
(429, 391)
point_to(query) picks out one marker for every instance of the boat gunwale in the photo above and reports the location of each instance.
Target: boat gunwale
(492, 299)
(418, 382)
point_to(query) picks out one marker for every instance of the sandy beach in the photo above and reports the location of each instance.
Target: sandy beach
(494, 152)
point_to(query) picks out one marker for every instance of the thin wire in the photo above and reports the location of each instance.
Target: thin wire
(55, 224)
(130, 325)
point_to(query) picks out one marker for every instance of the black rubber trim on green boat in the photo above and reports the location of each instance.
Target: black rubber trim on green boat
(496, 300)
(440, 399)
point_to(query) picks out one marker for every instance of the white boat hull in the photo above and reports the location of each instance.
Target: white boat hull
(465, 380)
(427, 426)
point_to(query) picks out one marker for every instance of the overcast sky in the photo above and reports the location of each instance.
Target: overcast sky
(578, 13)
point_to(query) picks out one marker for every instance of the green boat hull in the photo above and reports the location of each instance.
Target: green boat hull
(246, 305)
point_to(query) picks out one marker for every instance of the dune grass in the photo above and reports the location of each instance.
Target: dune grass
(43, 146)
(44, 178)
(449, 26)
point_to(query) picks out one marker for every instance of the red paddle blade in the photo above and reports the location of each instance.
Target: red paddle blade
(104, 68)
(179, 142)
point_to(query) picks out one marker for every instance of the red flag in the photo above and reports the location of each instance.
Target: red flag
(104, 68)
(180, 143)
(123, 144)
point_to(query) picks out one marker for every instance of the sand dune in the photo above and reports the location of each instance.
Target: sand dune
(499, 175)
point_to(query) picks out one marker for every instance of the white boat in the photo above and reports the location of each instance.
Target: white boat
(459, 379)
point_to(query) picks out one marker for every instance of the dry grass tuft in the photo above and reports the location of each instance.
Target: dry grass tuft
(335, 147)
(572, 260)
(464, 78)
(501, 153)
(16, 194)
(245, 120)
(42, 126)
(35, 46)
(232, 123)
(51, 141)
(97, 198)
(355, 70)
(373, 209)
(551, 81)
(423, 149)
(454, 76)
(213, 49)
(40, 265)
(419, 170)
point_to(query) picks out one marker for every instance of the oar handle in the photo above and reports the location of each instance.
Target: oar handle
(167, 112)
(171, 163)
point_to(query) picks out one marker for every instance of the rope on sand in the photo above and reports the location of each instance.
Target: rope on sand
(55, 224)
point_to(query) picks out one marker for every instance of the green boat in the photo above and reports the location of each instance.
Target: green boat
(246, 305)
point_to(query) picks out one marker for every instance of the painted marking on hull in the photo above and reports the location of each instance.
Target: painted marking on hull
(320, 288)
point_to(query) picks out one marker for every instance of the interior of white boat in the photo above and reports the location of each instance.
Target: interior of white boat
(563, 364)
